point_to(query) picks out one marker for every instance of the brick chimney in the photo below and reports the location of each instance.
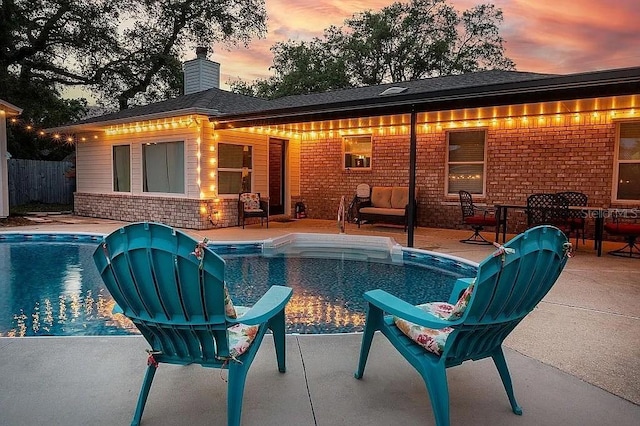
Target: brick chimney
(200, 73)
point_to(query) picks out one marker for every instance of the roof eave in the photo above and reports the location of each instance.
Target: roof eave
(618, 82)
(9, 108)
(100, 125)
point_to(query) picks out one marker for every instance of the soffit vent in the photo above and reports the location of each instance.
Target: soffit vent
(395, 90)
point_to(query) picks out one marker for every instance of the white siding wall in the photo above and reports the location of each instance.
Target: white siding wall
(94, 159)
(260, 146)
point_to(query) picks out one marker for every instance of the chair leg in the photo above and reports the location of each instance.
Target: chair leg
(144, 393)
(435, 377)
(277, 327)
(235, 392)
(631, 249)
(501, 365)
(476, 238)
(372, 323)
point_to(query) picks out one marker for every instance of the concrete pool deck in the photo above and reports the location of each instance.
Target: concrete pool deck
(575, 360)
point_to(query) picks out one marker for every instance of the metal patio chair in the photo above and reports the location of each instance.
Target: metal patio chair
(250, 204)
(476, 217)
(575, 218)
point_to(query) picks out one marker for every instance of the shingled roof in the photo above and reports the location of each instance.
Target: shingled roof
(449, 92)
(209, 102)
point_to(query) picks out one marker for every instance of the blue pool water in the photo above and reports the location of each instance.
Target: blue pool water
(50, 286)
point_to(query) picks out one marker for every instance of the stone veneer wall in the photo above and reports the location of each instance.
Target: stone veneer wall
(178, 212)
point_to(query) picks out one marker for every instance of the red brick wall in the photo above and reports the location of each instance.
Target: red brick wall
(520, 161)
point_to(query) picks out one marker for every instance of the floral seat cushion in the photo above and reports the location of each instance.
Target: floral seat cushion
(251, 201)
(434, 340)
(241, 336)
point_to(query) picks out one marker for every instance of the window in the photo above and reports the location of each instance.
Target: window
(235, 167)
(121, 168)
(163, 167)
(628, 164)
(357, 152)
(466, 161)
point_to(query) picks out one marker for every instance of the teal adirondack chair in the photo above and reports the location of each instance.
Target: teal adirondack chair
(172, 288)
(480, 314)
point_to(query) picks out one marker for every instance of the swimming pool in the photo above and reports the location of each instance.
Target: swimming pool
(50, 286)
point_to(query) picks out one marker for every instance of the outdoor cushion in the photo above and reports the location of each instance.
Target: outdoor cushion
(399, 197)
(241, 335)
(251, 201)
(381, 197)
(229, 309)
(488, 220)
(434, 340)
(381, 211)
(623, 228)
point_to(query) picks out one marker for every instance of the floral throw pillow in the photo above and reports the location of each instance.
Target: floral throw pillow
(251, 201)
(434, 340)
(229, 309)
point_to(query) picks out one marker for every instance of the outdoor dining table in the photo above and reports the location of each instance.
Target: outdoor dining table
(598, 213)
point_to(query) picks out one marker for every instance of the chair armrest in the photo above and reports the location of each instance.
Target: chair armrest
(264, 205)
(271, 303)
(459, 287)
(398, 307)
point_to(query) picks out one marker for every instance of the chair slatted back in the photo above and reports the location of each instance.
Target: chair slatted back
(505, 292)
(150, 271)
(575, 199)
(466, 204)
(546, 209)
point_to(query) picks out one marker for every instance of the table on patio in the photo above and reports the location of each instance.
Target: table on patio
(598, 213)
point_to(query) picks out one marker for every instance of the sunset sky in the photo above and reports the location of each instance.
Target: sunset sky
(547, 36)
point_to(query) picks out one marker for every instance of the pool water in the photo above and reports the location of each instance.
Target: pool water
(53, 288)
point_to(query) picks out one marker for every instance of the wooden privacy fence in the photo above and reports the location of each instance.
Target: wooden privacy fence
(41, 181)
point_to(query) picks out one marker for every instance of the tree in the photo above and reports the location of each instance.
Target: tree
(403, 41)
(300, 67)
(148, 66)
(124, 52)
(81, 42)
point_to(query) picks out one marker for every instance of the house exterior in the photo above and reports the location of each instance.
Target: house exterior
(501, 135)
(6, 110)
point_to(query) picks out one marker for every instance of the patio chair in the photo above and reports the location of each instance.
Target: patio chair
(479, 315)
(630, 231)
(476, 217)
(173, 289)
(548, 209)
(575, 218)
(251, 205)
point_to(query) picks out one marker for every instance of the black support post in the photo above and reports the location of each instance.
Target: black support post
(412, 177)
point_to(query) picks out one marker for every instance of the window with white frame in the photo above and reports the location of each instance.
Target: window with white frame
(235, 168)
(357, 152)
(163, 167)
(466, 161)
(628, 162)
(121, 166)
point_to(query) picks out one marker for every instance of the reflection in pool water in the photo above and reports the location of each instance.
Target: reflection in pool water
(53, 288)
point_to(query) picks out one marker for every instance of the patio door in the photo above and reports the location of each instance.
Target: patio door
(277, 150)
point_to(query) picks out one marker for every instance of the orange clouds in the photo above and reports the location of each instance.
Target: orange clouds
(549, 36)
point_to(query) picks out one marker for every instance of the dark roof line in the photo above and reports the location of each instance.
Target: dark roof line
(468, 90)
(539, 89)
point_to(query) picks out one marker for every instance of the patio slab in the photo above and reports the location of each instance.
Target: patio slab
(95, 380)
(574, 360)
